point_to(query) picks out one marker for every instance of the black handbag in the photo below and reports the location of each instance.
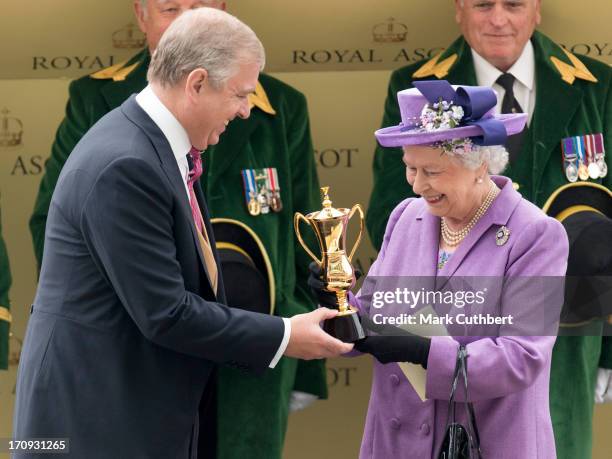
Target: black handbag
(460, 442)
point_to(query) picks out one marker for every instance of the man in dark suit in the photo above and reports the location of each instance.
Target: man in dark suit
(128, 319)
(5, 313)
(276, 135)
(565, 96)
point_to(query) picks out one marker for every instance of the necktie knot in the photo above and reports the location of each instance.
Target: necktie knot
(194, 160)
(514, 144)
(506, 81)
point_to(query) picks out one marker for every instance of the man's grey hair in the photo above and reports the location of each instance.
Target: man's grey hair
(495, 156)
(205, 38)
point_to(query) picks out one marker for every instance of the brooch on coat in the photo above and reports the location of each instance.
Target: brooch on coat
(502, 235)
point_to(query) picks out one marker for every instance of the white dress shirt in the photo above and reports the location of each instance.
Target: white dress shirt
(179, 143)
(523, 71)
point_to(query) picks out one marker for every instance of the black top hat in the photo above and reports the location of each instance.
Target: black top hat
(585, 210)
(245, 266)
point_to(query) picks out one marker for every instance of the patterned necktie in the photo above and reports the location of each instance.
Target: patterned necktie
(514, 143)
(194, 160)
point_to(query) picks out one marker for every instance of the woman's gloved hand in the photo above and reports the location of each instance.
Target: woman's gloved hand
(316, 284)
(401, 348)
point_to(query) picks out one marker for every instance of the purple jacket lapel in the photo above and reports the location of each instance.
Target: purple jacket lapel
(498, 215)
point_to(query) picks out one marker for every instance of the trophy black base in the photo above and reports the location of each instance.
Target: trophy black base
(346, 327)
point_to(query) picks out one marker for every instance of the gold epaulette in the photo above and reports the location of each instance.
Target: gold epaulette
(435, 68)
(115, 72)
(260, 100)
(5, 315)
(568, 72)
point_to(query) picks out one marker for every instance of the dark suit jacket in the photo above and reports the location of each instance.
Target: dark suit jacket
(125, 325)
(5, 315)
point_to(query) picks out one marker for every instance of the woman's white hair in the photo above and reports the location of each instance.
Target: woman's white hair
(495, 156)
(205, 38)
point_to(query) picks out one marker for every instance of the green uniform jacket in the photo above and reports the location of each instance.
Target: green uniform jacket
(561, 110)
(252, 412)
(5, 315)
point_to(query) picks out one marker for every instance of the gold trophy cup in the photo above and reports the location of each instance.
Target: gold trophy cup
(329, 225)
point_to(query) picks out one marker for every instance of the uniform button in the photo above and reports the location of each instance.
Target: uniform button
(395, 424)
(394, 380)
(516, 186)
(425, 429)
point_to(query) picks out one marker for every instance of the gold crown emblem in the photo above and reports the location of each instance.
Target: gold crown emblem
(11, 130)
(390, 32)
(129, 37)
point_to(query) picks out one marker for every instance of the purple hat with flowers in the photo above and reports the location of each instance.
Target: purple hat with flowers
(452, 118)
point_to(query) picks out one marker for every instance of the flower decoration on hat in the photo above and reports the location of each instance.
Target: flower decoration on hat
(448, 109)
(445, 115)
(455, 119)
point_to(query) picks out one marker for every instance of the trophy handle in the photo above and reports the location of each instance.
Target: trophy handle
(358, 208)
(296, 224)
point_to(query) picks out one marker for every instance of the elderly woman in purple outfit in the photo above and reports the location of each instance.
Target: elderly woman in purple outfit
(468, 222)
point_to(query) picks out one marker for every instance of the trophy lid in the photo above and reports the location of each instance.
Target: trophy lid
(328, 211)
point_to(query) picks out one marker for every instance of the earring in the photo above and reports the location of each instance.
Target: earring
(479, 180)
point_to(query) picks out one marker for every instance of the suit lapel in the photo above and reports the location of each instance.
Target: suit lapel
(170, 168)
(497, 215)
(427, 245)
(463, 71)
(556, 105)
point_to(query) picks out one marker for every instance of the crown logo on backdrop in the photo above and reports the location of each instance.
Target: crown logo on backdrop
(390, 32)
(128, 37)
(11, 130)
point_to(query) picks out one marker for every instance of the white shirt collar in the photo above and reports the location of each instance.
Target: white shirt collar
(166, 121)
(523, 69)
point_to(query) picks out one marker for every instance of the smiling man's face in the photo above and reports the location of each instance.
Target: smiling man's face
(498, 30)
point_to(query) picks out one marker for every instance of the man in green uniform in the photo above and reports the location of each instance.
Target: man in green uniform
(565, 96)
(274, 140)
(5, 315)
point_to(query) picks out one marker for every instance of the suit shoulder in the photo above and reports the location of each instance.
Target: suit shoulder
(435, 66)
(85, 85)
(534, 222)
(571, 67)
(601, 70)
(124, 73)
(408, 208)
(278, 89)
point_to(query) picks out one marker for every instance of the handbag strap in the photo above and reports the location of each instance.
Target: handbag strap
(450, 416)
(473, 428)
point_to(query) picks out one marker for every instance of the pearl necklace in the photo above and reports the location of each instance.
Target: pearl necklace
(453, 238)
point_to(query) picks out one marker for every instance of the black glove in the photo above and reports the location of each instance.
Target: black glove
(316, 284)
(403, 348)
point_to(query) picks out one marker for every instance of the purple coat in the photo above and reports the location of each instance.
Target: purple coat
(508, 375)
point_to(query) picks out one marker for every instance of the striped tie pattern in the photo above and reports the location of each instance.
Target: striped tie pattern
(194, 160)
